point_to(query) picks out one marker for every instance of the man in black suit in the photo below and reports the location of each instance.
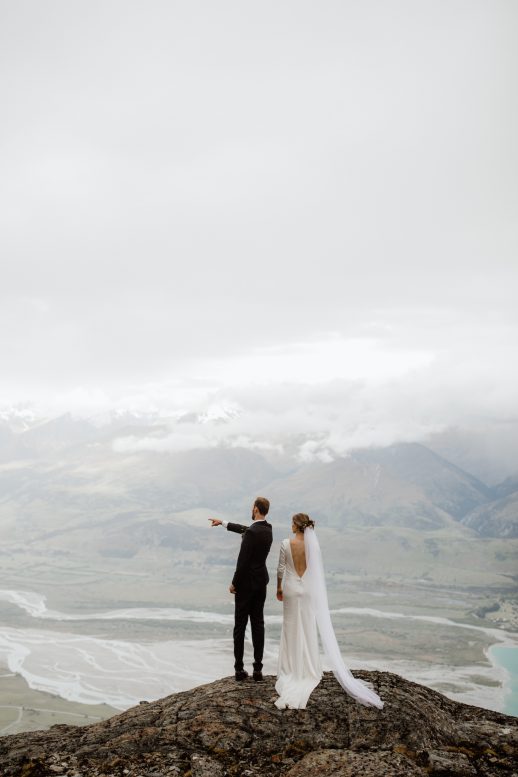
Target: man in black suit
(249, 584)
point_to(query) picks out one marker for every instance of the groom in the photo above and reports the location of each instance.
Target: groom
(249, 584)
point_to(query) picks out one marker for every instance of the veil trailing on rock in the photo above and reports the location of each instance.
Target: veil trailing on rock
(318, 592)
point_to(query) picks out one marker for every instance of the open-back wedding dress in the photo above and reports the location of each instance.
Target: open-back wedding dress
(305, 607)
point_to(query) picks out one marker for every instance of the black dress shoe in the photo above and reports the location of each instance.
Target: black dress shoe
(258, 677)
(241, 675)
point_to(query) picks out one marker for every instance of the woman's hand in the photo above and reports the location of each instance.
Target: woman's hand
(279, 594)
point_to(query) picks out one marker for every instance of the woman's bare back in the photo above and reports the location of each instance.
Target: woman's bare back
(298, 555)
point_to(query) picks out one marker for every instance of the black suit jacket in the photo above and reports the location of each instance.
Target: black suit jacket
(251, 573)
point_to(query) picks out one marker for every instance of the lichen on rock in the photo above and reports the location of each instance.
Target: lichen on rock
(229, 729)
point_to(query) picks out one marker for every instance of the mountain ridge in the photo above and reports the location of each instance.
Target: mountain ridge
(71, 466)
(403, 484)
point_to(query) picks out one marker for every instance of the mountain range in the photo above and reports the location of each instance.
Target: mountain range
(76, 468)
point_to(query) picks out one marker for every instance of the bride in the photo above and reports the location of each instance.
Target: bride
(304, 600)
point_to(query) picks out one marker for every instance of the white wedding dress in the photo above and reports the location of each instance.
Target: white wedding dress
(305, 607)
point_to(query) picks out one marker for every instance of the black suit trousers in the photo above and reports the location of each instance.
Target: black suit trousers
(249, 604)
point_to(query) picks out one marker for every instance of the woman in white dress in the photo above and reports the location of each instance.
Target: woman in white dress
(301, 589)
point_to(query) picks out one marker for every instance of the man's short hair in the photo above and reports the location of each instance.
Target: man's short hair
(262, 504)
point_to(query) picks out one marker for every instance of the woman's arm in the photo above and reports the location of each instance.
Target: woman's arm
(281, 566)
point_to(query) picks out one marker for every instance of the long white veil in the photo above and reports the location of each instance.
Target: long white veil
(317, 586)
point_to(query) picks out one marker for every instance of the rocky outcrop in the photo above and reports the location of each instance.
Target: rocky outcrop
(229, 729)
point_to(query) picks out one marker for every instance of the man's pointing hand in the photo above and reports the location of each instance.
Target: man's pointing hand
(215, 521)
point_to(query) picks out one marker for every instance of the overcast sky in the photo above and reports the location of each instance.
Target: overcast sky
(301, 209)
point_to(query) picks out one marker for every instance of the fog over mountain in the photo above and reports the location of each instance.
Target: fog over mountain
(64, 474)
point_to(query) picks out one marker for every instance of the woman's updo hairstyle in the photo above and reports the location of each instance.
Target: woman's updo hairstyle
(302, 521)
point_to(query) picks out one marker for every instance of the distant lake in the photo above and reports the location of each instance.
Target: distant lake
(507, 657)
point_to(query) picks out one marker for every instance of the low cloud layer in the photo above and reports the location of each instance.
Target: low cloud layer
(393, 394)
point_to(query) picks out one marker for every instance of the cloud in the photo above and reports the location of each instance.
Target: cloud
(286, 210)
(389, 394)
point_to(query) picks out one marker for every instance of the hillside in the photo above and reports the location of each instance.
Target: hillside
(507, 486)
(226, 729)
(401, 485)
(66, 484)
(498, 518)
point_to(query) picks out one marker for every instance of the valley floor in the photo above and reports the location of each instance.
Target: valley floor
(24, 709)
(121, 638)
